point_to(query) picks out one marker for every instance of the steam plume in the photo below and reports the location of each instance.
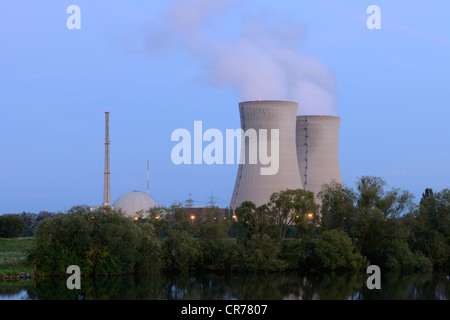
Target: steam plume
(256, 54)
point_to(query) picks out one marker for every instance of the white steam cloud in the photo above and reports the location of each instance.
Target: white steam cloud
(256, 54)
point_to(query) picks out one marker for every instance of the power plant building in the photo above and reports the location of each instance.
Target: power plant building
(318, 151)
(133, 203)
(308, 151)
(251, 184)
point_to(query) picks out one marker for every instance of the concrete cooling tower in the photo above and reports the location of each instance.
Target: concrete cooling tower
(318, 151)
(252, 182)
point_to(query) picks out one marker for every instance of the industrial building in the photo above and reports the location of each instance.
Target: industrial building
(133, 203)
(308, 151)
(318, 151)
(250, 184)
(307, 155)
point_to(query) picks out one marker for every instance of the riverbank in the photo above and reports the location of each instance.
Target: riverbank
(13, 258)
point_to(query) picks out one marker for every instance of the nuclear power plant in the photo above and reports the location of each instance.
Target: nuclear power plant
(318, 151)
(279, 151)
(251, 185)
(308, 151)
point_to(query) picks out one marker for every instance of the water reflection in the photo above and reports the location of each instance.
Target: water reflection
(218, 287)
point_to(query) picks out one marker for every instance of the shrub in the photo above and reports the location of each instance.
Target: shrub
(261, 253)
(181, 252)
(11, 226)
(335, 251)
(98, 242)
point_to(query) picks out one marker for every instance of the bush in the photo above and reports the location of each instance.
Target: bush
(397, 256)
(181, 252)
(96, 242)
(335, 251)
(11, 226)
(215, 247)
(261, 253)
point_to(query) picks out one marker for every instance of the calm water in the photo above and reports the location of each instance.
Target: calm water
(263, 287)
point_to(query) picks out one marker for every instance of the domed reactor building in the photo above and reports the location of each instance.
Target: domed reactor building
(308, 152)
(134, 203)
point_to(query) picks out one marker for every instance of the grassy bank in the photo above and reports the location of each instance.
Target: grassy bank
(13, 260)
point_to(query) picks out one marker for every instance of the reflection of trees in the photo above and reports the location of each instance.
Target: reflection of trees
(417, 286)
(332, 286)
(239, 286)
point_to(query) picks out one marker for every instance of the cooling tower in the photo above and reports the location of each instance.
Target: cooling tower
(318, 151)
(254, 182)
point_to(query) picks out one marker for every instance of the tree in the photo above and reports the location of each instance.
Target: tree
(335, 251)
(430, 226)
(181, 252)
(11, 226)
(255, 220)
(337, 205)
(214, 244)
(99, 242)
(158, 218)
(291, 206)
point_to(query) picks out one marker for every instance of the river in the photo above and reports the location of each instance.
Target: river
(288, 286)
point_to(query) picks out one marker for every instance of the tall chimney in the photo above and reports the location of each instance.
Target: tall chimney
(107, 182)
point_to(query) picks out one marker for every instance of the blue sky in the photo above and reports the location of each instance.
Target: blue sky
(391, 91)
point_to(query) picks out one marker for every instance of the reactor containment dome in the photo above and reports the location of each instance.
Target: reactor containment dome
(133, 203)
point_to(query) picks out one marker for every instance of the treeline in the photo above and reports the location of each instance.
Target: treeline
(348, 231)
(22, 224)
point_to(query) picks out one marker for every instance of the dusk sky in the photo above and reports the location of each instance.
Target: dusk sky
(161, 65)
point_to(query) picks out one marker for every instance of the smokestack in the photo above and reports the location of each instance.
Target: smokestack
(251, 184)
(107, 173)
(318, 151)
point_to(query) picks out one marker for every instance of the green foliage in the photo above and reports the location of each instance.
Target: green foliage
(13, 253)
(352, 228)
(388, 228)
(260, 253)
(254, 220)
(181, 251)
(335, 251)
(337, 206)
(11, 226)
(31, 221)
(291, 206)
(430, 225)
(215, 247)
(100, 242)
